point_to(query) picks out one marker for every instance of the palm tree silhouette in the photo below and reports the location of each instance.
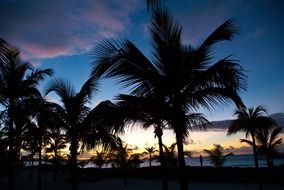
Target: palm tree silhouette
(119, 158)
(148, 110)
(171, 155)
(73, 111)
(18, 84)
(217, 155)
(268, 140)
(135, 160)
(83, 125)
(249, 121)
(55, 143)
(150, 150)
(43, 119)
(183, 76)
(99, 159)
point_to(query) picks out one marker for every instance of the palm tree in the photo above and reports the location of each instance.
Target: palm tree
(119, 157)
(82, 125)
(99, 159)
(149, 110)
(249, 121)
(30, 144)
(268, 141)
(55, 143)
(171, 155)
(183, 76)
(134, 160)
(3, 150)
(217, 155)
(43, 119)
(150, 150)
(73, 111)
(18, 83)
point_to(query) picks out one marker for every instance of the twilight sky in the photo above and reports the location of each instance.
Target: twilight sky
(61, 34)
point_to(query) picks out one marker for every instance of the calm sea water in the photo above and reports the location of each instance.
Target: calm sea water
(240, 161)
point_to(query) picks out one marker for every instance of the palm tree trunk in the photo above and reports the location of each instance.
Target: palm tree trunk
(159, 133)
(32, 166)
(150, 161)
(11, 180)
(17, 156)
(55, 166)
(181, 162)
(39, 181)
(74, 164)
(256, 161)
(254, 151)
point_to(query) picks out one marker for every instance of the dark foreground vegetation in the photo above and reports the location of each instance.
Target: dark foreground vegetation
(205, 174)
(195, 174)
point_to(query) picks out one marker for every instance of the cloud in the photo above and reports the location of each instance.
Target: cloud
(222, 126)
(45, 29)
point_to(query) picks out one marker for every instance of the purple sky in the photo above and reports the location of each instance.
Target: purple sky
(60, 34)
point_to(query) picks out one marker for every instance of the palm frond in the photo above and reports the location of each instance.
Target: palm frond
(62, 88)
(246, 141)
(123, 61)
(224, 32)
(88, 88)
(38, 75)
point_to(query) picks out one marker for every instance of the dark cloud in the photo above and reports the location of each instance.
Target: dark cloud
(224, 124)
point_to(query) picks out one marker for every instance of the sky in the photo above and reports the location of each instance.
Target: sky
(62, 34)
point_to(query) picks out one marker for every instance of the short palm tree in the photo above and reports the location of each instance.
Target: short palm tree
(268, 140)
(150, 150)
(183, 76)
(249, 121)
(99, 159)
(55, 143)
(30, 144)
(18, 84)
(119, 158)
(135, 160)
(217, 155)
(171, 155)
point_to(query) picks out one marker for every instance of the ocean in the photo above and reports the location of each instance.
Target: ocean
(241, 161)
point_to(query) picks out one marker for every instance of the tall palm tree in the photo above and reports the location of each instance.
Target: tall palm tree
(18, 84)
(73, 111)
(268, 141)
(150, 150)
(148, 110)
(217, 155)
(42, 119)
(249, 121)
(183, 76)
(83, 125)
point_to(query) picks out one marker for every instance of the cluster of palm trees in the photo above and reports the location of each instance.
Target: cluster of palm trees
(264, 132)
(167, 92)
(31, 122)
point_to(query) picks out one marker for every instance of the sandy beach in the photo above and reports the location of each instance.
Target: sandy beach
(23, 182)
